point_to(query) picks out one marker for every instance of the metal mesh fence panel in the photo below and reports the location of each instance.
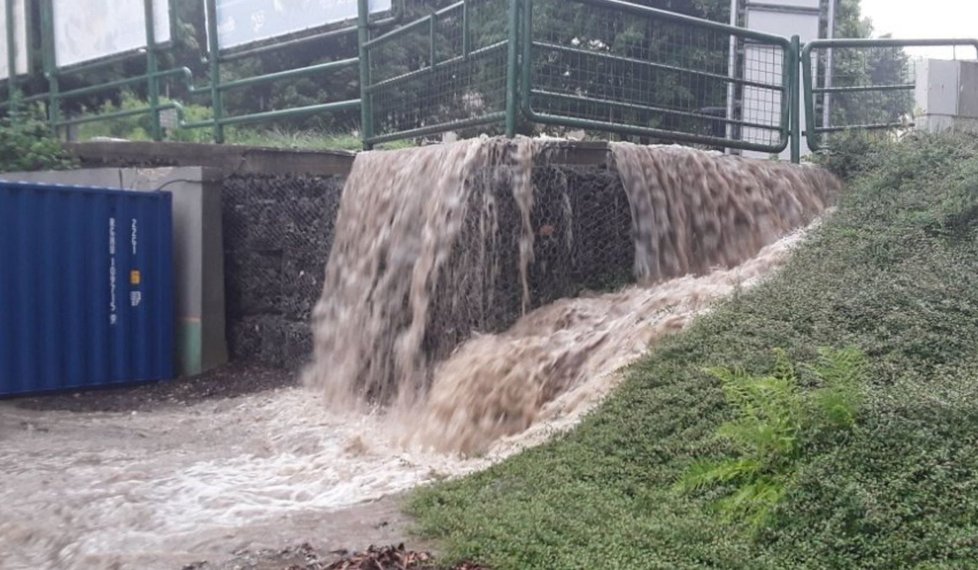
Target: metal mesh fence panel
(864, 87)
(444, 71)
(597, 65)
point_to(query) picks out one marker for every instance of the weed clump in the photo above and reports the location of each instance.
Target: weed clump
(777, 425)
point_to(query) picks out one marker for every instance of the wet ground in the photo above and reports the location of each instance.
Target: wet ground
(230, 381)
(242, 468)
(238, 469)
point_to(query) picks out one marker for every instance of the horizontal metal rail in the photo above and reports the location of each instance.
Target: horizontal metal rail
(666, 16)
(489, 118)
(289, 74)
(865, 88)
(275, 115)
(655, 109)
(405, 77)
(654, 65)
(867, 127)
(114, 115)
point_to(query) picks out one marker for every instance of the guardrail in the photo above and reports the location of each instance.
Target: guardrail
(503, 65)
(463, 73)
(634, 70)
(642, 71)
(55, 98)
(845, 97)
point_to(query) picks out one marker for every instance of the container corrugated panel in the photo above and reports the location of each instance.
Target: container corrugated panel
(86, 288)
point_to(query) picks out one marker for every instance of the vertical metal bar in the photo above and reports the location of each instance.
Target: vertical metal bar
(50, 64)
(808, 88)
(11, 60)
(432, 29)
(795, 101)
(732, 73)
(527, 79)
(829, 62)
(366, 108)
(214, 59)
(466, 45)
(152, 81)
(512, 86)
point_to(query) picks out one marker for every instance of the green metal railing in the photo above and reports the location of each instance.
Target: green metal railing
(642, 71)
(632, 70)
(842, 95)
(503, 66)
(463, 74)
(56, 99)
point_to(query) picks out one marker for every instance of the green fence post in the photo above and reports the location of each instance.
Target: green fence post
(795, 100)
(808, 87)
(11, 61)
(512, 86)
(152, 81)
(366, 109)
(214, 59)
(50, 65)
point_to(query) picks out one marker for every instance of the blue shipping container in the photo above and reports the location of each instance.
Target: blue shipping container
(86, 287)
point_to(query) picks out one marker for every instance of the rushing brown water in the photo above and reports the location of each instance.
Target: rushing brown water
(175, 485)
(398, 230)
(397, 227)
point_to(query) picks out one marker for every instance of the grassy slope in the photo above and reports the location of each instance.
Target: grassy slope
(895, 273)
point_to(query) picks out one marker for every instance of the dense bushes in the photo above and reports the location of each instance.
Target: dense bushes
(27, 144)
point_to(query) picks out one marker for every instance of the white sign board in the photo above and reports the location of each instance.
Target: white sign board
(764, 64)
(86, 30)
(20, 38)
(810, 4)
(241, 22)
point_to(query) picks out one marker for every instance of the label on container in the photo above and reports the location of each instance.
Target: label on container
(135, 277)
(113, 317)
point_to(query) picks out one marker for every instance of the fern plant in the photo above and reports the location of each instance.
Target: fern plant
(774, 426)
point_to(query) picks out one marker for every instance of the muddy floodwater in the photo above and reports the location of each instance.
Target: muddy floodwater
(379, 412)
(164, 487)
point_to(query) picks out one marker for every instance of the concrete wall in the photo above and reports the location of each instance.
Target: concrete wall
(197, 241)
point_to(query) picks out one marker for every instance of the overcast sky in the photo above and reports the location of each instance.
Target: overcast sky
(925, 19)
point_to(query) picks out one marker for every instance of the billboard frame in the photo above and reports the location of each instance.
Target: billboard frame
(47, 29)
(8, 6)
(324, 31)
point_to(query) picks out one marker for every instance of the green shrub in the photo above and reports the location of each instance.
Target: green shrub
(777, 426)
(26, 143)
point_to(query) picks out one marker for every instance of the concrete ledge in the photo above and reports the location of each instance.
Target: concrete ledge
(228, 159)
(231, 159)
